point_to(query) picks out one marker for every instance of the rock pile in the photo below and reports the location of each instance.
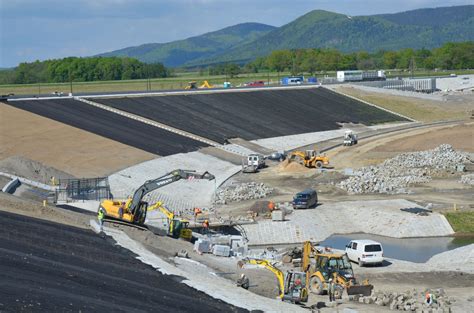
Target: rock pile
(410, 300)
(240, 192)
(468, 179)
(394, 175)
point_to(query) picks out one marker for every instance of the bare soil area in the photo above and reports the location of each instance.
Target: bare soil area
(417, 108)
(376, 150)
(63, 147)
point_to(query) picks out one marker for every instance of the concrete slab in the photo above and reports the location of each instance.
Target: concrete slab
(294, 141)
(380, 217)
(181, 195)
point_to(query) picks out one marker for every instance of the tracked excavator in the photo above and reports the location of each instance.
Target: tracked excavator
(319, 267)
(292, 285)
(177, 227)
(134, 209)
(309, 158)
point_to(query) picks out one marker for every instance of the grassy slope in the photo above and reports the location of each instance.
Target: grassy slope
(462, 222)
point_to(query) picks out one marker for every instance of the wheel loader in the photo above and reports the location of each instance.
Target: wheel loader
(292, 284)
(320, 267)
(309, 158)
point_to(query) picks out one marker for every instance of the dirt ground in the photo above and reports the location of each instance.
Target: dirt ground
(377, 149)
(417, 108)
(69, 149)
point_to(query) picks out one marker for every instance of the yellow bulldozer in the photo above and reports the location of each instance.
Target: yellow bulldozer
(309, 158)
(292, 285)
(134, 209)
(320, 267)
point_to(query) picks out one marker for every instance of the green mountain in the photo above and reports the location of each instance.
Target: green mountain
(423, 28)
(176, 53)
(428, 28)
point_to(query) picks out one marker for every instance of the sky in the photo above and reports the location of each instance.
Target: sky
(46, 29)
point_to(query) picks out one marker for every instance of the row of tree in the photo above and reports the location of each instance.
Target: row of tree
(82, 69)
(449, 56)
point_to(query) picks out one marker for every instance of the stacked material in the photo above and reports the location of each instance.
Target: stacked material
(468, 179)
(410, 300)
(240, 192)
(394, 175)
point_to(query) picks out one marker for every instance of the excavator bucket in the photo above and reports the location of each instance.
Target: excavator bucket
(364, 290)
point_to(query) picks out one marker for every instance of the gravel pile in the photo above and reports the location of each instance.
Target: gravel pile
(468, 179)
(394, 175)
(410, 300)
(240, 192)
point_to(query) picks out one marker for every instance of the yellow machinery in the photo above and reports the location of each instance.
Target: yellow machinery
(309, 158)
(177, 227)
(193, 85)
(206, 84)
(292, 285)
(134, 209)
(319, 267)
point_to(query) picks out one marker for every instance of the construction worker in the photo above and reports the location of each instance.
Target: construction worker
(205, 226)
(243, 282)
(331, 288)
(100, 218)
(197, 211)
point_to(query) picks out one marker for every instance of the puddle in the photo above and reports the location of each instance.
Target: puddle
(417, 250)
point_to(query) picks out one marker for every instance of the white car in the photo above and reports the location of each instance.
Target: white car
(365, 252)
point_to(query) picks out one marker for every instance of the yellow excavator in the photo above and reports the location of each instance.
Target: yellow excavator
(309, 158)
(134, 209)
(319, 267)
(177, 227)
(193, 85)
(292, 285)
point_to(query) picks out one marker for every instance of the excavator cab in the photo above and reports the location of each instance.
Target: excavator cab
(191, 85)
(295, 287)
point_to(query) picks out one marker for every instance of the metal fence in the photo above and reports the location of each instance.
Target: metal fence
(70, 190)
(426, 85)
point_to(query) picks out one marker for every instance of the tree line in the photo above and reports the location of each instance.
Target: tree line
(82, 70)
(450, 56)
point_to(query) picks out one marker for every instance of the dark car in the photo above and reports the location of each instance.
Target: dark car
(305, 199)
(277, 156)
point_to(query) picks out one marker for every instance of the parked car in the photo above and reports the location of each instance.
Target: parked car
(365, 252)
(305, 199)
(277, 156)
(258, 83)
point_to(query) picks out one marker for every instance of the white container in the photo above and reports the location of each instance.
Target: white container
(221, 250)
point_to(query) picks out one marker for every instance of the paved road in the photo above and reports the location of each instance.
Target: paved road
(253, 115)
(110, 125)
(49, 267)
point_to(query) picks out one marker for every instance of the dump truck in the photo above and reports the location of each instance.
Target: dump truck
(320, 267)
(292, 284)
(134, 209)
(309, 158)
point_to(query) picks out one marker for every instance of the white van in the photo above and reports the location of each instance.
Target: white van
(257, 160)
(365, 252)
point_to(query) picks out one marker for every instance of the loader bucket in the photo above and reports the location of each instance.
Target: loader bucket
(364, 290)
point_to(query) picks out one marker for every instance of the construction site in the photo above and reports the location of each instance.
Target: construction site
(189, 200)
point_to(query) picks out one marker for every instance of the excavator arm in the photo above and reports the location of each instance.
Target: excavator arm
(279, 274)
(134, 204)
